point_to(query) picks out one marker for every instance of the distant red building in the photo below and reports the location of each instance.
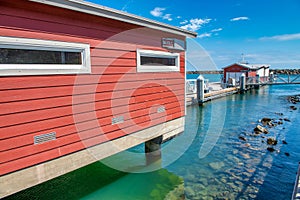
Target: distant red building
(235, 71)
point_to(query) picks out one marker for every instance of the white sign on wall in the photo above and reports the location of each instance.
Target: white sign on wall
(173, 44)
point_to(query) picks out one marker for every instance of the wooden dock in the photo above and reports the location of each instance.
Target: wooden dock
(221, 93)
(215, 91)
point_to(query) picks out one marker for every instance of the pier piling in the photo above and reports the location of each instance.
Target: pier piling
(153, 150)
(257, 77)
(243, 82)
(200, 89)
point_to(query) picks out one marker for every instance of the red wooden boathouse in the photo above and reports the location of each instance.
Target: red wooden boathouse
(78, 76)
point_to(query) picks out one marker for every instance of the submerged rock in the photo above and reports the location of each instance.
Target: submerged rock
(287, 154)
(284, 142)
(293, 107)
(242, 138)
(247, 145)
(265, 120)
(216, 165)
(259, 129)
(271, 141)
(189, 192)
(279, 122)
(294, 99)
(271, 149)
(245, 155)
(280, 114)
(271, 125)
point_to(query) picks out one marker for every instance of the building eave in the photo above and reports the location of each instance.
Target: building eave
(250, 67)
(102, 11)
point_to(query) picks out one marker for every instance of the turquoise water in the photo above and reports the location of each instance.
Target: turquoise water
(217, 164)
(210, 77)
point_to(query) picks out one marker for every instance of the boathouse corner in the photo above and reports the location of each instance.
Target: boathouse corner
(76, 78)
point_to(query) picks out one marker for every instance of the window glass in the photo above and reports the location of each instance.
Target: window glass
(157, 61)
(27, 56)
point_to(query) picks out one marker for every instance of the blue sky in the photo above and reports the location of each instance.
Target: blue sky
(265, 31)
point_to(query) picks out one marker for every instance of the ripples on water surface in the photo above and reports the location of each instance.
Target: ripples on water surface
(217, 165)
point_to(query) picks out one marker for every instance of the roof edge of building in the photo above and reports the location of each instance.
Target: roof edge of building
(102, 11)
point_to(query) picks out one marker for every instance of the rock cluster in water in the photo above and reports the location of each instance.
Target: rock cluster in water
(294, 99)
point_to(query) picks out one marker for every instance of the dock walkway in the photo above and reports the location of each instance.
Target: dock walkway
(215, 91)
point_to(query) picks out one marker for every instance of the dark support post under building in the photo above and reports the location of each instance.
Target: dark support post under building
(153, 150)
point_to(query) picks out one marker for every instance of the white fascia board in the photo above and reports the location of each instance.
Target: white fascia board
(102, 11)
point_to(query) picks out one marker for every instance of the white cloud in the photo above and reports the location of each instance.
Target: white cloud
(239, 19)
(284, 37)
(195, 24)
(216, 30)
(184, 22)
(157, 12)
(167, 17)
(204, 35)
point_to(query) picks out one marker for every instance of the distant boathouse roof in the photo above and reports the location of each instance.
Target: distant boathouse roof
(249, 66)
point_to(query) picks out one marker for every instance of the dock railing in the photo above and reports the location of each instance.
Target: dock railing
(191, 86)
(191, 91)
(286, 78)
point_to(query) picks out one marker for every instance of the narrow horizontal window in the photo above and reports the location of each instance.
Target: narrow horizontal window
(20, 56)
(27, 56)
(157, 61)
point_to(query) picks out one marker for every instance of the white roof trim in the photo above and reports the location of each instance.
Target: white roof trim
(102, 11)
(250, 66)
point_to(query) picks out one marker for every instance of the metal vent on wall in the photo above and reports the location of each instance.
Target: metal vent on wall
(38, 139)
(161, 109)
(117, 120)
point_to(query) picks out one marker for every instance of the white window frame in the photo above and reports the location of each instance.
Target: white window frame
(158, 68)
(45, 69)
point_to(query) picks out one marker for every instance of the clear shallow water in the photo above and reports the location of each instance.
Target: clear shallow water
(217, 164)
(237, 169)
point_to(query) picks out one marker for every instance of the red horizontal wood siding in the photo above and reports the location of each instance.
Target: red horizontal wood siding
(234, 68)
(80, 108)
